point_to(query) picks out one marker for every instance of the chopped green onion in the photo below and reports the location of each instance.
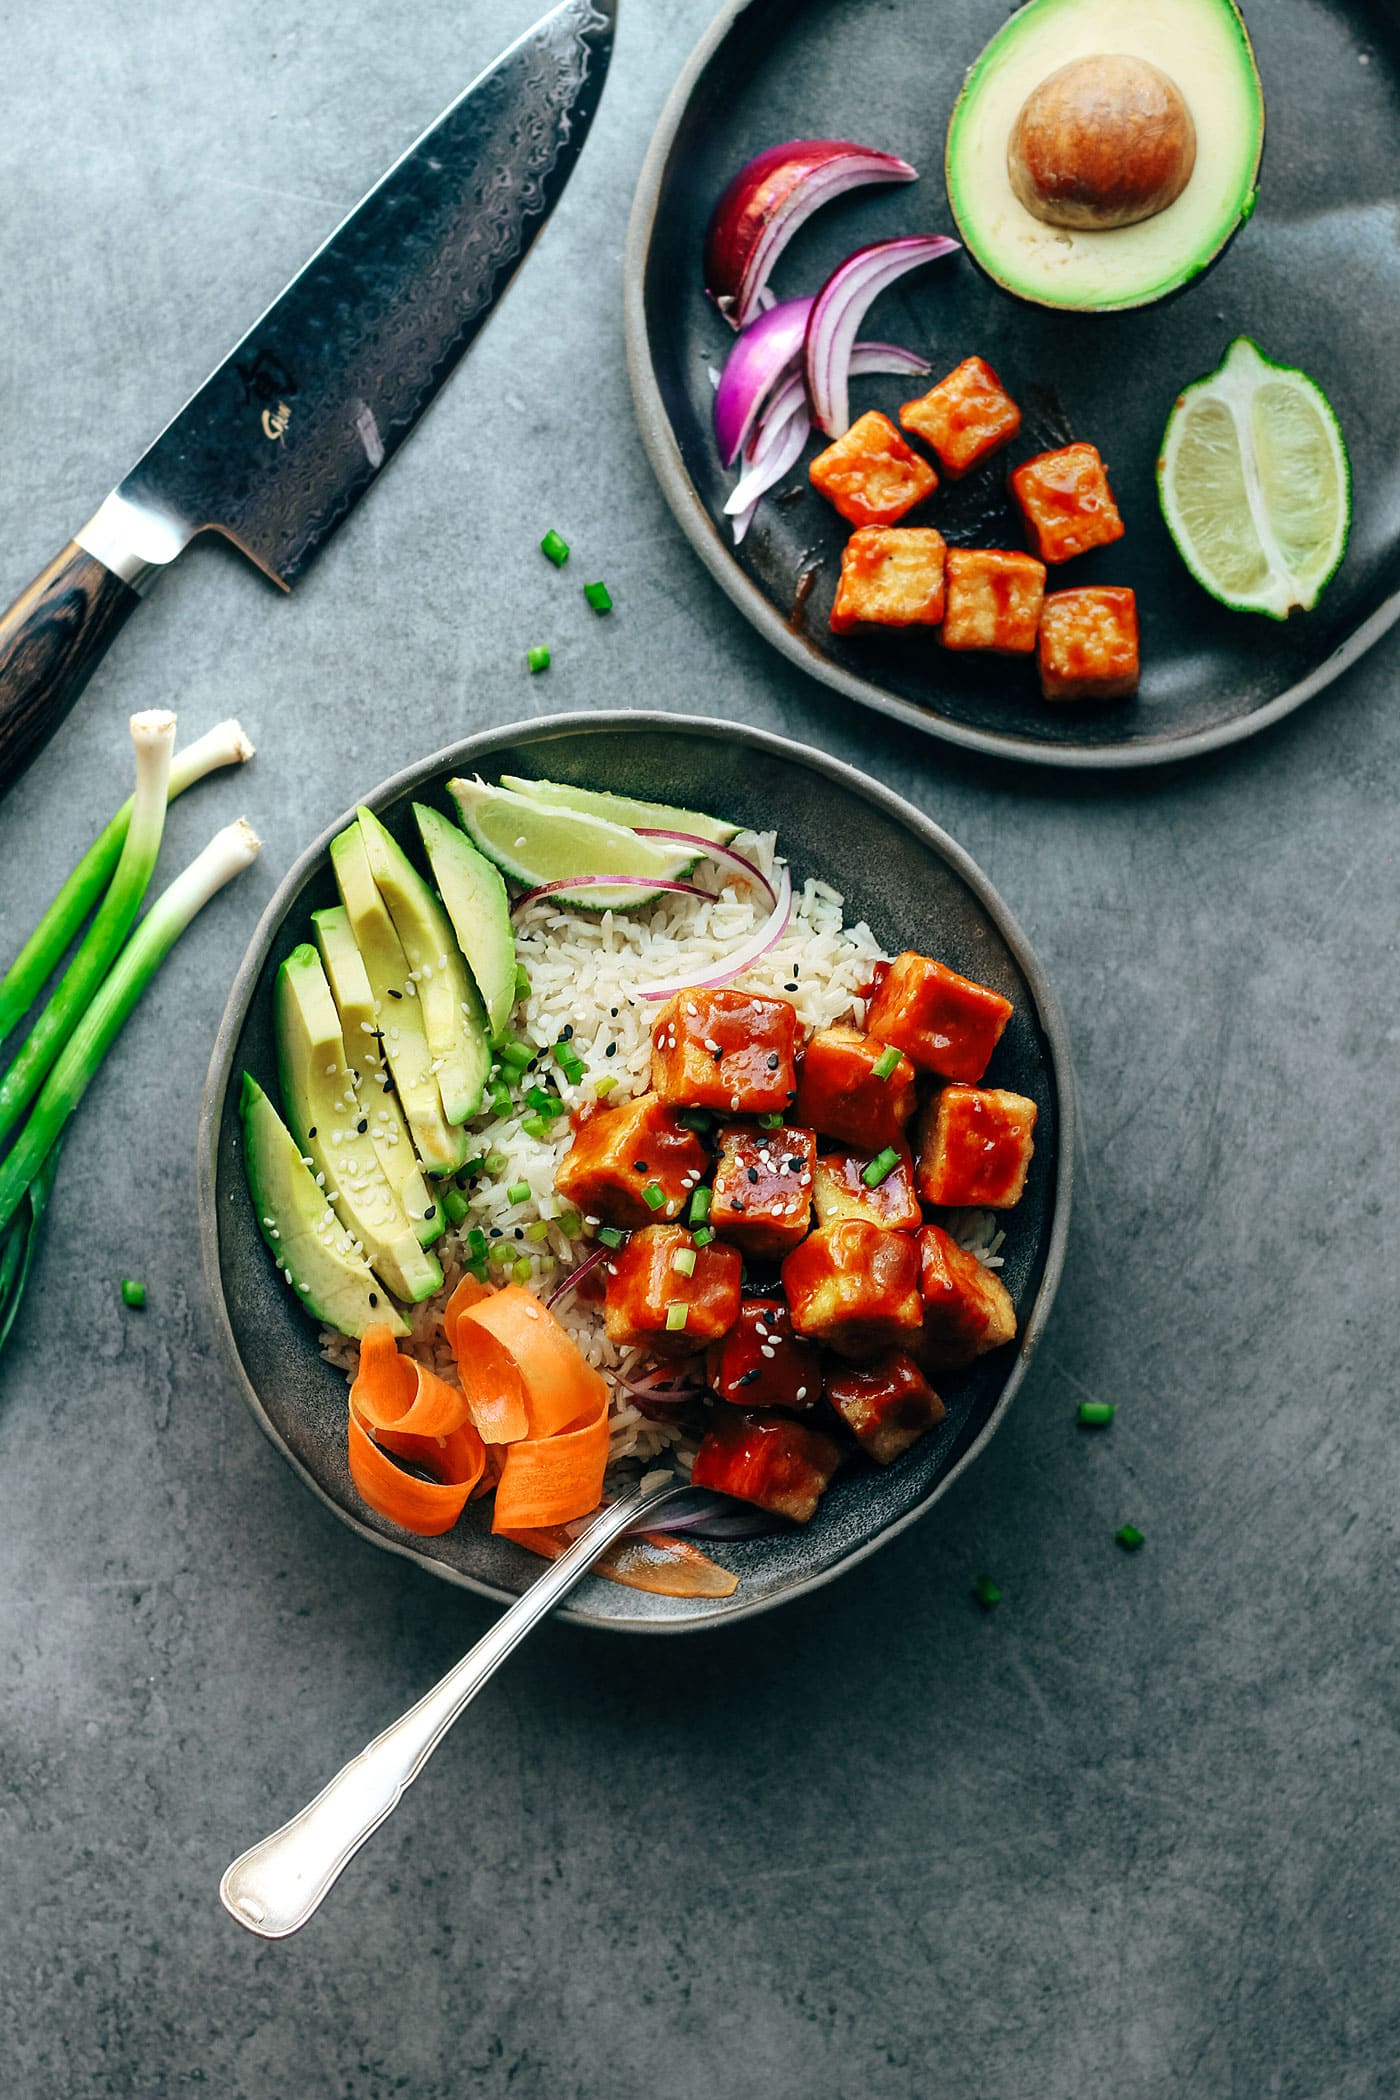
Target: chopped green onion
(500, 1101)
(523, 1270)
(605, 1086)
(771, 1122)
(535, 1126)
(472, 1167)
(696, 1119)
(522, 981)
(133, 1294)
(880, 1168)
(538, 1231)
(455, 1204)
(683, 1261)
(556, 548)
(1095, 1414)
(885, 1063)
(986, 1593)
(504, 1250)
(700, 1205)
(610, 1236)
(548, 1104)
(1128, 1537)
(598, 597)
(653, 1196)
(570, 1224)
(477, 1241)
(569, 1061)
(703, 1236)
(676, 1317)
(515, 1052)
(537, 659)
(496, 1162)
(518, 1192)
(477, 1268)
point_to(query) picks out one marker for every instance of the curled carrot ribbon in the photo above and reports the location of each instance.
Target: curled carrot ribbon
(398, 1406)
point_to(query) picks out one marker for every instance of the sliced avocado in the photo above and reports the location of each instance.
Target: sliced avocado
(1203, 49)
(322, 1263)
(475, 897)
(624, 809)
(398, 1017)
(345, 972)
(331, 1122)
(448, 1000)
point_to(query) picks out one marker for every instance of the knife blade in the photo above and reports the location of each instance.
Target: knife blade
(288, 433)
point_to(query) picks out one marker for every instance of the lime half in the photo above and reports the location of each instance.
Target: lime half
(534, 843)
(1255, 485)
(622, 809)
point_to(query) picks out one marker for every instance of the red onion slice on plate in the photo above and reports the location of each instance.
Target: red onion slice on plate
(604, 882)
(770, 462)
(762, 356)
(739, 959)
(574, 1277)
(713, 851)
(840, 307)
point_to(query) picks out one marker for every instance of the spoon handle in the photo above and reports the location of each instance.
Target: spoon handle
(273, 1888)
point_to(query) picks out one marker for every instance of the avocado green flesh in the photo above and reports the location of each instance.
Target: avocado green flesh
(331, 1123)
(345, 972)
(453, 1015)
(476, 902)
(330, 1279)
(623, 809)
(399, 1018)
(1204, 47)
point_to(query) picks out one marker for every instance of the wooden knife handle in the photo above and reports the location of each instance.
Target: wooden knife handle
(51, 641)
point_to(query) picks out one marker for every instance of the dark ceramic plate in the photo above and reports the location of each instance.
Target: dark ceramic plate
(913, 885)
(1314, 277)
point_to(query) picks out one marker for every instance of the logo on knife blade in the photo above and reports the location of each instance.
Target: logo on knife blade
(275, 421)
(267, 380)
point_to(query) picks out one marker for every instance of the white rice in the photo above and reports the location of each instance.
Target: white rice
(586, 972)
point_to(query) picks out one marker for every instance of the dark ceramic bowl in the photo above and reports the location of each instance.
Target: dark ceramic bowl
(915, 888)
(1314, 277)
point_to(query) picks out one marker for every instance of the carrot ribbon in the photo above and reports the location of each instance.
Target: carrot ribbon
(398, 1406)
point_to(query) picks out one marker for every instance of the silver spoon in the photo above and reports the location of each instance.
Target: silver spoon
(273, 1888)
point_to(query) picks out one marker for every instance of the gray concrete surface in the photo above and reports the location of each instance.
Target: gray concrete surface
(1134, 1834)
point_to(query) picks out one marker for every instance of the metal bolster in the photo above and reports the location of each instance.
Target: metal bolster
(133, 540)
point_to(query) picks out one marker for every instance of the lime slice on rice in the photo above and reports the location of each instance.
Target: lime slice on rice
(1255, 485)
(622, 809)
(533, 843)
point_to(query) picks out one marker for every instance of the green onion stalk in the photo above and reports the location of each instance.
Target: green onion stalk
(226, 855)
(224, 745)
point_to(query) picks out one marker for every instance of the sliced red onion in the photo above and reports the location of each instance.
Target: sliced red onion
(712, 851)
(743, 957)
(789, 400)
(770, 463)
(604, 882)
(840, 307)
(867, 358)
(762, 356)
(766, 203)
(574, 1277)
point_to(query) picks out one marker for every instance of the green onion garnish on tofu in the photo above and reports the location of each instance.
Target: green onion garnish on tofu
(676, 1317)
(653, 1196)
(700, 1205)
(683, 1261)
(611, 1237)
(880, 1168)
(885, 1063)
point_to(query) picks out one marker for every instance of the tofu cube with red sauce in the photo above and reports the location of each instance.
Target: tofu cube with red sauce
(855, 1288)
(726, 1050)
(619, 1153)
(839, 1190)
(891, 576)
(1089, 644)
(966, 417)
(762, 1363)
(646, 1292)
(887, 1405)
(762, 1197)
(992, 600)
(770, 1460)
(841, 1095)
(967, 1309)
(975, 1146)
(942, 1022)
(1067, 503)
(871, 475)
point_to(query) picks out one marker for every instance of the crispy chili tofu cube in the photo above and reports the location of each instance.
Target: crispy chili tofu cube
(855, 1287)
(619, 1155)
(887, 1405)
(965, 417)
(967, 1309)
(770, 1460)
(992, 600)
(668, 1295)
(850, 1088)
(726, 1050)
(840, 1190)
(762, 1198)
(1089, 644)
(762, 1363)
(1067, 503)
(891, 576)
(942, 1022)
(975, 1145)
(871, 475)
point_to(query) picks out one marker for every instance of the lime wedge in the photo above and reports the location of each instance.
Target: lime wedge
(622, 809)
(1255, 485)
(533, 843)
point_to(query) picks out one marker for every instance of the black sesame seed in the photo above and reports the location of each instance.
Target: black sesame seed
(747, 1377)
(736, 1204)
(611, 1050)
(566, 1033)
(374, 1297)
(717, 1055)
(395, 995)
(495, 1232)
(312, 1131)
(362, 1126)
(430, 1211)
(753, 1174)
(774, 1061)
(640, 1165)
(613, 1011)
(792, 987)
(518, 1233)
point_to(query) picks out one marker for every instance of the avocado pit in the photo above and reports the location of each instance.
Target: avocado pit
(1102, 142)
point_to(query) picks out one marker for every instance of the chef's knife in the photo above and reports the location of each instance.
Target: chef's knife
(281, 442)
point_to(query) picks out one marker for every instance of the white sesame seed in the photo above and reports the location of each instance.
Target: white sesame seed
(801, 1392)
(767, 1350)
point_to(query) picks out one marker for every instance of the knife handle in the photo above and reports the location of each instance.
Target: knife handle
(51, 641)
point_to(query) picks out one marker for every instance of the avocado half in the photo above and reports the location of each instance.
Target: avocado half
(1204, 47)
